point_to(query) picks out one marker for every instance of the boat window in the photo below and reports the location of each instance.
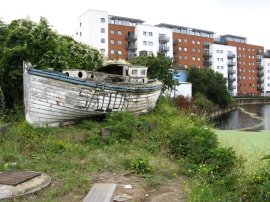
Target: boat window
(134, 72)
(80, 74)
(92, 76)
(143, 72)
(67, 73)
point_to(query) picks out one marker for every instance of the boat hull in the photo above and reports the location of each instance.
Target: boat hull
(53, 99)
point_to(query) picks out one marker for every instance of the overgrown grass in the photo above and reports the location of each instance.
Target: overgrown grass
(156, 147)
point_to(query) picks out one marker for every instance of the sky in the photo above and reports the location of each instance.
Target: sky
(246, 18)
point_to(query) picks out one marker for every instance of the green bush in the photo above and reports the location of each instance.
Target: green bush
(123, 125)
(140, 165)
(255, 187)
(202, 103)
(222, 160)
(193, 144)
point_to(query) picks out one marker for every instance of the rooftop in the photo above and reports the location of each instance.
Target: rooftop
(182, 27)
(114, 17)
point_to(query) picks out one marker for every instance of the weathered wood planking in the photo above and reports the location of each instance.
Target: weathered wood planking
(52, 98)
(100, 193)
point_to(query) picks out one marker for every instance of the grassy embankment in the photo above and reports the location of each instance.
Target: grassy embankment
(158, 147)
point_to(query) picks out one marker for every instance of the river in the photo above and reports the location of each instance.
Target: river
(249, 117)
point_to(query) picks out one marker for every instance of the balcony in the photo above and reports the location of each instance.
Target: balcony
(260, 73)
(207, 54)
(259, 52)
(260, 87)
(259, 59)
(131, 55)
(131, 37)
(207, 63)
(231, 71)
(260, 80)
(231, 55)
(259, 67)
(131, 47)
(206, 45)
(231, 63)
(231, 79)
(164, 39)
(231, 87)
(164, 48)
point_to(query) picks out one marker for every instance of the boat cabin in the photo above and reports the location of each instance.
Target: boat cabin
(134, 74)
(135, 71)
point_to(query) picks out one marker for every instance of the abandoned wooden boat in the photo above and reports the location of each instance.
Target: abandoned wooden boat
(59, 98)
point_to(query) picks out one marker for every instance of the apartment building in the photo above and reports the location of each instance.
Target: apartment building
(266, 65)
(190, 45)
(223, 60)
(249, 68)
(125, 38)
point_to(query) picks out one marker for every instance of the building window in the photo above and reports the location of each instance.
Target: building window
(120, 42)
(143, 72)
(199, 59)
(186, 57)
(180, 40)
(111, 31)
(144, 33)
(144, 42)
(150, 34)
(80, 24)
(102, 50)
(80, 34)
(112, 41)
(119, 52)
(119, 32)
(185, 49)
(102, 30)
(112, 21)
(198, 42)
(220, 59)
(193, 41)
(134, 72)
(102, 40)
(193, 58)
(150, 43)
(112, 52)
(199, 50)
(185, 40)
(193, 50)
(102, 20)
(180, 57)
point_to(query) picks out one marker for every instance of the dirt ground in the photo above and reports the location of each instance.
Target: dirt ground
(171, 191)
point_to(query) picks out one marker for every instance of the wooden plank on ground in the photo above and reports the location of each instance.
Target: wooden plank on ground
(100, 193)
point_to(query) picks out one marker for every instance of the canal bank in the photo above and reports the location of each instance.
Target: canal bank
(251, 100)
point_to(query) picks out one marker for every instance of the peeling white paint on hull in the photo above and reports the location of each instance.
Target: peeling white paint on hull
(53, 99)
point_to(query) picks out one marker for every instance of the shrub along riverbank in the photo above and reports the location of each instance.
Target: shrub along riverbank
(157, 147)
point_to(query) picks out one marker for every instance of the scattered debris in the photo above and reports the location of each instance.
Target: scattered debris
(127, 186)
(105, 132)
(122, 197)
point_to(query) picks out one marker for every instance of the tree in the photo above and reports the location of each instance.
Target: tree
(211, 84)
(25, 40)
(159, 67)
